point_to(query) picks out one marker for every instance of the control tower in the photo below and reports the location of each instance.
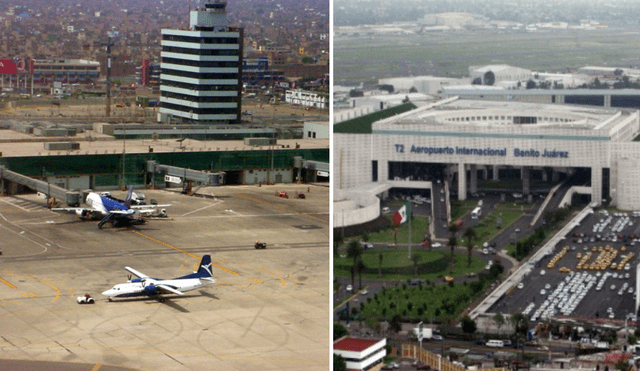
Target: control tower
(201, 79)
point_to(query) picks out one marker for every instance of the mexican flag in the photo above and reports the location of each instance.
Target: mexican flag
(400, 216)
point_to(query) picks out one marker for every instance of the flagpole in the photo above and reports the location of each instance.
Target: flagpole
(409, 217)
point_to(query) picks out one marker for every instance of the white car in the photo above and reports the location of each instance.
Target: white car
(520, 285)
(436, 244)
(349, 288)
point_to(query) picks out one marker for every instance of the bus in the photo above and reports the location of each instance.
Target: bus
(475, 214)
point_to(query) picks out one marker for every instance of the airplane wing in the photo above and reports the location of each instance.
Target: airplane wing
(147, 207)
(170, 289)
(121, 212)
(141, 275)
(88, 209)
(147, 212)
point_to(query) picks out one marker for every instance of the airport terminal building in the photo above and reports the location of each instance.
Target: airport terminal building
(470, 140)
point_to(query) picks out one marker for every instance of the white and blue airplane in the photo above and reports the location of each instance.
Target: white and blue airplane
(156, 287)
(112, 209)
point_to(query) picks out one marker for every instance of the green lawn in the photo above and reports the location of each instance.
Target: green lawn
(396, 264)
(423, 302)
(419, 227)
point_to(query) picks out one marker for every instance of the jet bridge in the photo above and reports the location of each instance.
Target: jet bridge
(314, 169)
(71, 198)
(184, 176)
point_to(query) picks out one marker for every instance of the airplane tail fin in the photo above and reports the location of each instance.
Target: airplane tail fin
(127, 200)
(204, 269)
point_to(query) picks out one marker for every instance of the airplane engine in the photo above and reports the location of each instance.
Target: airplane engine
(150, 289)
(163, 212)
(82, 213)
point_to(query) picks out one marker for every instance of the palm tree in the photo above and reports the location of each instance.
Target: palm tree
(470, 235)
(453, 240)
(380, 256)
(354, 250)
(360, 267)
(415, 258)
(337, 241)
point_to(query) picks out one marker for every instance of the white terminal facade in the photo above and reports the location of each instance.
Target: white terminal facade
(483, 139)
(201, 79)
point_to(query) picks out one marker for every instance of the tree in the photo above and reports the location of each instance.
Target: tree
(360, 267)
(413, 90)
(354, 250)
(489, 78)
(308, 60)
(415, 258)
(337, 241)
(499, 320)
(468, 325)
(380, 256)
(618, 72)
(470, 235)
(339, 363)
(476, 81)
(453, 240)
(339, 331)
(520, 324)
(531, 84)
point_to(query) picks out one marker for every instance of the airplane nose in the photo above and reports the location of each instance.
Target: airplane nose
(107, 293)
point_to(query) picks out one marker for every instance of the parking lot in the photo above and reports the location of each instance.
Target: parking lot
(590, 273)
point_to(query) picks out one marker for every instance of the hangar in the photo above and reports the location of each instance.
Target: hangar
(461, 141)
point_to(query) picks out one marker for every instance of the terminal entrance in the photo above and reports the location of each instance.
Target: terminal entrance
(423, 171)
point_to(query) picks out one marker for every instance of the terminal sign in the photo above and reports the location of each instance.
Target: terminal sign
(481, 151)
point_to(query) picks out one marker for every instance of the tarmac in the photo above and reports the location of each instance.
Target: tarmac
(268, 310)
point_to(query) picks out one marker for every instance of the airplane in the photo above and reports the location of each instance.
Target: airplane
(156, 287)
(112, 209)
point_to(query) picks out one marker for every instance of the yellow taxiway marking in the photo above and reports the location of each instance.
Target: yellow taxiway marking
(41, 281)
(182, 251)
(96, 367)
(8, 283)
(249, 198)
(266, 271)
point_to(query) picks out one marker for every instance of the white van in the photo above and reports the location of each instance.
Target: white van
(495, 343)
